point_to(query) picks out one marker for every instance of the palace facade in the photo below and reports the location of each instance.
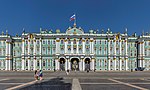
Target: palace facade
(74, 50)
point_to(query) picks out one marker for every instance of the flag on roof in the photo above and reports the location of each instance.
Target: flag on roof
(73, 17)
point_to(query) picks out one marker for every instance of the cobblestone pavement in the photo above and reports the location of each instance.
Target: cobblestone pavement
(76, 81)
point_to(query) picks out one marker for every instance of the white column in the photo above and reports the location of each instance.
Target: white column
(93, 64)
(143, 53)
(66, 64)
(9, 54)
(114, 63)
(29, 53)
(23, 53)
(57, 46)
(71, 47)
(83, 64)
(126, 53)
(40, 61)
(56, 64)
(108, 47)
(7, 51)
(109, 64)
(66, 49)
(92, 47)
(140, 54)
(120, 52)
(7, 64)
(34, 52)
(108, 54)
(80, 65)
(114, 52)
(126, 60)
(83, 46)
(77, 47)
(126, 47)
(69, 64)
(120, 60)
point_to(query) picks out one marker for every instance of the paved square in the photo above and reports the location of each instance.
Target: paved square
(76, 81)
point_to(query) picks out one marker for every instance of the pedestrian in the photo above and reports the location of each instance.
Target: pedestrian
(36, 75)
(67, 72)
(41, 75)
(87, 70)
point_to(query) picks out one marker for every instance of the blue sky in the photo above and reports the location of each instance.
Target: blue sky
(90, 14)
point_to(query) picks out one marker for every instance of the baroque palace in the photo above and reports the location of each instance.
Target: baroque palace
(74, 50)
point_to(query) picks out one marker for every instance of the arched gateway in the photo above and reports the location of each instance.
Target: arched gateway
(74, 64)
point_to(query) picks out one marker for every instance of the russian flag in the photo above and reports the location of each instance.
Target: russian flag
(73, 17)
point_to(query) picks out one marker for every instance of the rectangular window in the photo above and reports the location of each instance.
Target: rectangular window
(43, 41)
(48, 42)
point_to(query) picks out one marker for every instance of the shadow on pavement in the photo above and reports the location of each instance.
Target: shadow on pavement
(52, 84)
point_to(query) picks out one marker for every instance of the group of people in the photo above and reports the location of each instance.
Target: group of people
(38, 75)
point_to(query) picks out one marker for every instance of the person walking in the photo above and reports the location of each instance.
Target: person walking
(36, 75)
(67, 72)
(41, 75)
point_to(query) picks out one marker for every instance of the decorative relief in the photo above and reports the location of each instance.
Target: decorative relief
(83, 40)
(57, 40)
(91, 40)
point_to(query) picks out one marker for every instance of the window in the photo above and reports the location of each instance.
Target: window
(43, 42)
(26, 42)
(4, 51)
(43, 48)
(48, 42)
(54, 42)
(145, 52)
(69, 42)
(74, 42)
(80, 41)
(48, 62)
(62, 41)
(95, 41)
(37, 49)
(43, 63)
(37, 42)
(0, 52)
(87, 42)
(26, 63)
(38, 64)
(14, 53)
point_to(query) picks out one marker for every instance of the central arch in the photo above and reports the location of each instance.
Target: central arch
(75, 64)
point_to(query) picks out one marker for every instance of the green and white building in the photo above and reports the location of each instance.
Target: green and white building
(74, 50)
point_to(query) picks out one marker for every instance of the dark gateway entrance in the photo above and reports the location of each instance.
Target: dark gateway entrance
(62, 64)
(74, 64)
(87, 64)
